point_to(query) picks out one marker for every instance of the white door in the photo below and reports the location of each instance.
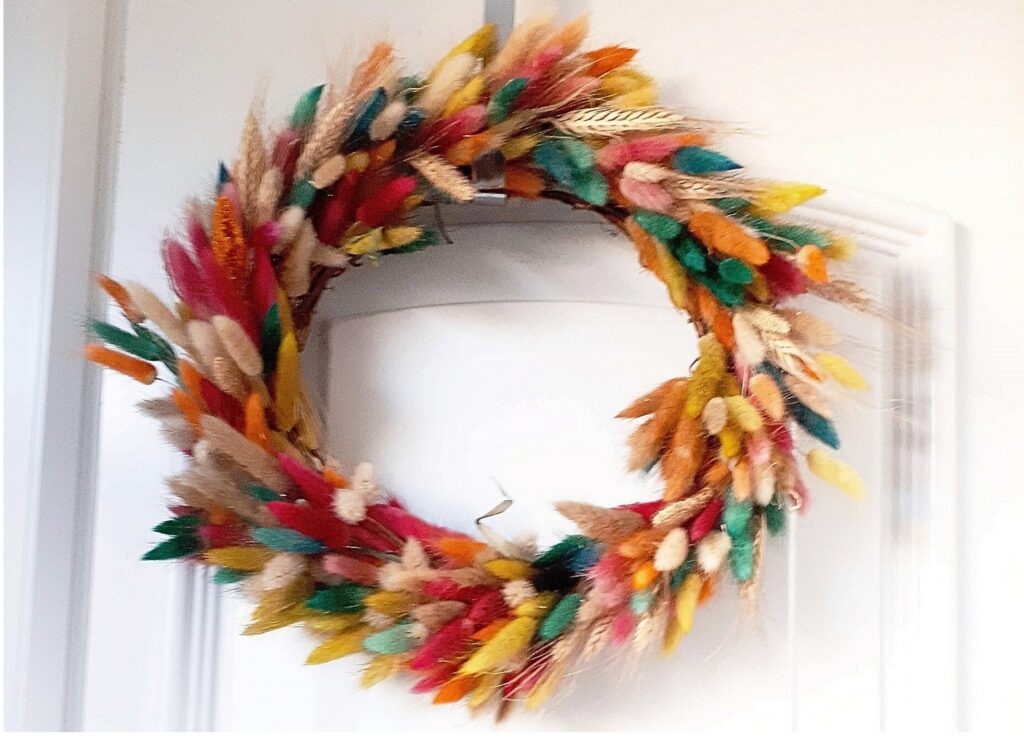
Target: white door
(498, 363)
(524, 341)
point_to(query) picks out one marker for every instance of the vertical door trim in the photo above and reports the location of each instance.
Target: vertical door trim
(58, 544)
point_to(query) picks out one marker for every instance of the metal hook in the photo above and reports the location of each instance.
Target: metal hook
(439, 220)
(489, 174)
(502, 14)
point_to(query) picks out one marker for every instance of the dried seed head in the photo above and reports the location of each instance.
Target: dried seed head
(712, 551)
(672, 551)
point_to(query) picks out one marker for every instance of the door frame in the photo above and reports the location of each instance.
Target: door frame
(47, 658)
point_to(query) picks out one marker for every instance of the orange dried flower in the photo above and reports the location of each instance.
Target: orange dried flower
(523, 181)
(228, 241)
(720, 233)
(127, 365)
(604, 60)
(119, 295)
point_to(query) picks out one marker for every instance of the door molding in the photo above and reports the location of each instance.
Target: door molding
(920, 653)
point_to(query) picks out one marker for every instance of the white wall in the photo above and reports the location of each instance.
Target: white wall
(917, 100)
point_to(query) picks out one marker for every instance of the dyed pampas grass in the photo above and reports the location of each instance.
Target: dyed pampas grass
(336, 186)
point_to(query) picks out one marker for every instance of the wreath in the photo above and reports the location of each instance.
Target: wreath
(481, 618)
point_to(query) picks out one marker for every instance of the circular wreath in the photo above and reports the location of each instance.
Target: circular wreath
(483, 619)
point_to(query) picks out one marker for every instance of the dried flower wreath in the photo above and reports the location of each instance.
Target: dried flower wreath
(483, 620)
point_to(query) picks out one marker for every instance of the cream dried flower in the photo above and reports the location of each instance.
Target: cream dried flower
(517, 592)
(349, 505)
(364, 483)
